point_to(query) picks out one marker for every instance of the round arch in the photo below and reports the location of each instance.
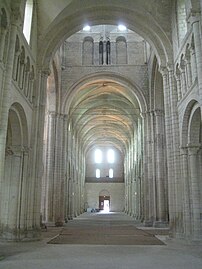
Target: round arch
(18, 124)
(71, 20)
(194, 126)
(104, 192)
(16, 176)
(186, 121)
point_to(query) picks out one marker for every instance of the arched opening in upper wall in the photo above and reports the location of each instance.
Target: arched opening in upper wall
(72, 19)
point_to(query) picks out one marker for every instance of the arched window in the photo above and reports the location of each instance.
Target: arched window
(121, 50)
(31, 93)
(27, 26)
(21, 67)
(111, 173)
(88, 51)
(110, 156)
(101, 53)
(97, 173)
(98, 156)
(26, 77)
(108, 52)
(16, 59)
(181, 19)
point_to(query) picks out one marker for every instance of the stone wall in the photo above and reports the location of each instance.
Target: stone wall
(116, 193)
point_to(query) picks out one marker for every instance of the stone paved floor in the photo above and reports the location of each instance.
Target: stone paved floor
(40, 255)
(105, 229)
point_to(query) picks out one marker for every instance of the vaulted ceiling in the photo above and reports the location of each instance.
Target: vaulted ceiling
(104, 113)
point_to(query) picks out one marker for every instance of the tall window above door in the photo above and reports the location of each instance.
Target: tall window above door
(27, 26)
(111, 173)
(97, 173)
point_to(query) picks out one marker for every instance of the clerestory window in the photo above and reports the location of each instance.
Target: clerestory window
(98, 156)
(110, 156)
(27, 26)
(97, 173)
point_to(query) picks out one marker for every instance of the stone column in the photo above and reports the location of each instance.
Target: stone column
(5, 100)
(58, 197)
(145, 212)
(12, 188)
(177, 182)
(74, 198)
(3, 33)
(193, 62)
(4, 109)
(153, 202)
(160, 170)
(126, 193)
(65, 166)
(70, 197)
(169, 146)
(139, 195)
(183, 78)
(24, 183)
(188, 69)
(49, 166)
(148, 177)
(186, 191)
(125, 179)
(179, 93)
(131, 195)
(195, 192)
(36, 154)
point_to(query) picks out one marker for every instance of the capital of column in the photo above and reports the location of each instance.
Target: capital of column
(188, 56)
(183, 150)
(12, 150)
(193, 149)
(62, 116)
(194, 16)
(52, 114)
(177, 74)
(163, 70)
(145, 114)
(65, 117)
(25, 149)
(45, 72)
(182, 65)
(151, 113)
(9, 151)
(3, 31)
(16, 16)
(158, 112)
(170, 68)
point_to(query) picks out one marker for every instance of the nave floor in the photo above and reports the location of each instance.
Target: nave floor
(95, 241)
(105, 229)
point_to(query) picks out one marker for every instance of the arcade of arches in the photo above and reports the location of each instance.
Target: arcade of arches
(67, 90)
